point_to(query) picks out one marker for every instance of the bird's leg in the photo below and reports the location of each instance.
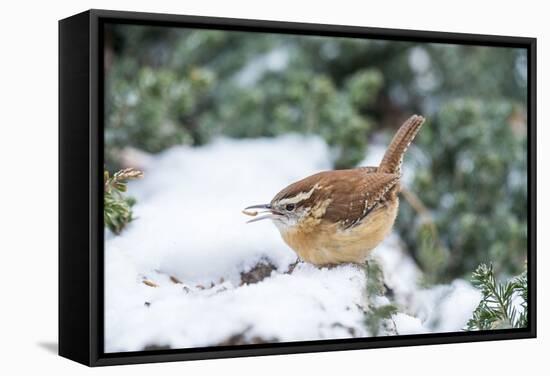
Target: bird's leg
(292, 266)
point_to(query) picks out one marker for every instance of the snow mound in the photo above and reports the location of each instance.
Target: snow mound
(188, 272)
(308, 304)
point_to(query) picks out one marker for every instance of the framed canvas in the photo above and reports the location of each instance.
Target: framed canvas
(232, 187)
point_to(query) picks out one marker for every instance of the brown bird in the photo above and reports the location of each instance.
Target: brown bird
(339, 216)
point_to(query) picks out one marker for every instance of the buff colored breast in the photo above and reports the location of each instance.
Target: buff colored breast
(324, 243)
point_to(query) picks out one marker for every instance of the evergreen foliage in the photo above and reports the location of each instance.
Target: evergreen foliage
(473, 180)
(378, 315)
(117, 208)
(497, 309)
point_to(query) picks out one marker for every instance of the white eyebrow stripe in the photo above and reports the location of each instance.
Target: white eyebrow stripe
(298, 198)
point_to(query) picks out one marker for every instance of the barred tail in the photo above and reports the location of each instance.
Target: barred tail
(391, 163)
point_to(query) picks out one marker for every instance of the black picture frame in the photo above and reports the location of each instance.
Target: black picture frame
(81, 187)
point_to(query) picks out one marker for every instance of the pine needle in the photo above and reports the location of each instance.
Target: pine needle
(496, 310)
(117, 209)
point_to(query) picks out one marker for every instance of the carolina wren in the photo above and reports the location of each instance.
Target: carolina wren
(339, 216)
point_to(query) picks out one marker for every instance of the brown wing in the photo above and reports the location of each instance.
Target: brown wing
(356, 195)
(330, 180)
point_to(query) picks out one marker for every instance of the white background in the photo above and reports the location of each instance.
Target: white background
(28, 185)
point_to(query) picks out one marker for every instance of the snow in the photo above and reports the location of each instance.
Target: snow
(406, 324)
(181, 316)
(190, 244)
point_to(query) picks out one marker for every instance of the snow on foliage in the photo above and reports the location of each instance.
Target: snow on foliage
(188, 272)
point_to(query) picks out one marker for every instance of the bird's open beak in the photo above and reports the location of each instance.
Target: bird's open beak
(253, 211)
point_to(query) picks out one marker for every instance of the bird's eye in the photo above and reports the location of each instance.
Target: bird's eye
(290, 207)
